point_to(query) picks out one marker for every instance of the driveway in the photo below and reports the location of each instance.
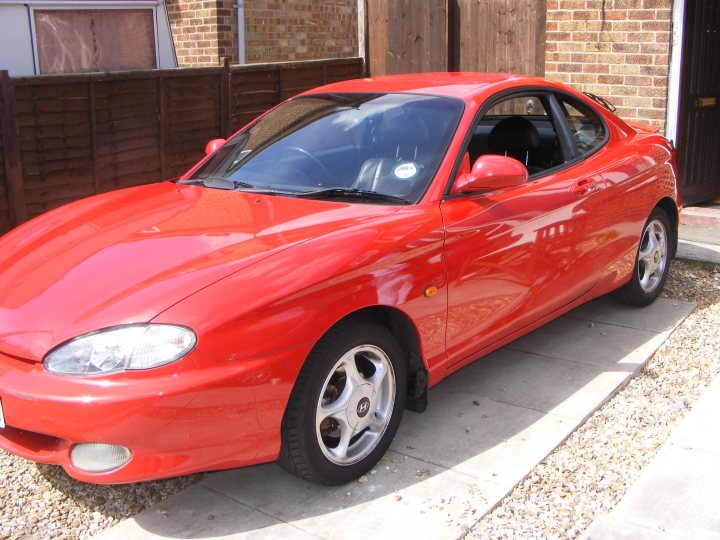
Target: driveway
(485, 428)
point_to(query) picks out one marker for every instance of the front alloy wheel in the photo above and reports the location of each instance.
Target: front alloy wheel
(355, 405)
(346, 405)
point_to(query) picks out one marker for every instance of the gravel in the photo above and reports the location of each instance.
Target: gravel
(588, 474)
(584, 477)
(41, 501)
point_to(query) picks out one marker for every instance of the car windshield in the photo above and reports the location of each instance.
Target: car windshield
(372, 147)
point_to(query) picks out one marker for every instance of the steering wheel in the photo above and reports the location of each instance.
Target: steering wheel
(312, 157)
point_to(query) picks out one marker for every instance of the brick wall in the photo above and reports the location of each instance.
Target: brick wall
(280, 30)
(203, 31)
(623, 56)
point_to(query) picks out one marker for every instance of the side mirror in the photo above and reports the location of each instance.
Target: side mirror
(491, 172)
(213, 145)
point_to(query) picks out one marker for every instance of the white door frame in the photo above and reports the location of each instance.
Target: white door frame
(673, 101)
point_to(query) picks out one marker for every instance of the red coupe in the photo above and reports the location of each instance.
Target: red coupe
(317, 272)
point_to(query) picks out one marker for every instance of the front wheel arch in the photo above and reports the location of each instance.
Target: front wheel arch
(353, 359)
(404, 330)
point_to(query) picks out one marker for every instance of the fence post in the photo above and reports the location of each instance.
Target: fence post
(11, 151)
(162, 125)
(93, 134)
(225, 99)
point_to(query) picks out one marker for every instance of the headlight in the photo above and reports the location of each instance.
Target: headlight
(117, 349)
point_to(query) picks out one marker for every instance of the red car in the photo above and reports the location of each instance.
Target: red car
(317, 272)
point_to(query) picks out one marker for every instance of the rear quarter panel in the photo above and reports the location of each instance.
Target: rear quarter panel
(639, 171)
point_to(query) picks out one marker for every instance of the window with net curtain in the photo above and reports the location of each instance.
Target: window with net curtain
(77, 41)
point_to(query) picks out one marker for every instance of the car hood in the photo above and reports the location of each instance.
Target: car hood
(126, 256)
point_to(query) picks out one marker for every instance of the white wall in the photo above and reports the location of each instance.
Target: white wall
(16, 52)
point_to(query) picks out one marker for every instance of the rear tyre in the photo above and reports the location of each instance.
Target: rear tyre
(346, 405)
(652, 262)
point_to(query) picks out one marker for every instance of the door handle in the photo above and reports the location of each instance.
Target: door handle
(584, 187)
(703, 102)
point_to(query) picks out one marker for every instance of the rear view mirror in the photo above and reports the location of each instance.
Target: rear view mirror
(491, 172)
(213, 145)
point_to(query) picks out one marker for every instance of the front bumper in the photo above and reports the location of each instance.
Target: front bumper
(189, 416)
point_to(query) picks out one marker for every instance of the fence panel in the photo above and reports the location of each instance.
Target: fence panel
(191, 118)
(69, 136)
(126, 134)
(55, 144)
(504, 36)
(406, 39)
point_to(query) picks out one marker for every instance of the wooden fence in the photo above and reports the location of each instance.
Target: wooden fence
(69, 136)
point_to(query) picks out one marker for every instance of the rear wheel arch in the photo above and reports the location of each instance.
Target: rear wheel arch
(650, 268)
(671, 209)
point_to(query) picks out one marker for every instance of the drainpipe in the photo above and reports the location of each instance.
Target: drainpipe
(241, 30)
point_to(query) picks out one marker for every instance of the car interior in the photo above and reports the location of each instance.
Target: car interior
(519, 128)
(393, 151)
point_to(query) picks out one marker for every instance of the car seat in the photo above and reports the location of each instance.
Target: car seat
(401, 148)
(518, 138)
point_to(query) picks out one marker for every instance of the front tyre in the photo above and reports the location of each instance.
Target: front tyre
(651, 263)
(346, 405)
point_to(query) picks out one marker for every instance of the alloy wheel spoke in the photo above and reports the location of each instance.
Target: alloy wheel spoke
(337, 409)
(378, 377)
(346, 434)
(353, 376)
(649, 250)
(377, 423)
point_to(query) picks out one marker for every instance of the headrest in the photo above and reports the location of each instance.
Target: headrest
(514, 134)
(404, 129)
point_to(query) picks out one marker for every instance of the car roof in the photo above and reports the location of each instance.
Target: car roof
(459, 85)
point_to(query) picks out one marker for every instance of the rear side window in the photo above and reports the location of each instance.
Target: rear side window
(586, 127)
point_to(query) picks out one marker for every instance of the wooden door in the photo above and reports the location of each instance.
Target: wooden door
(698, 137)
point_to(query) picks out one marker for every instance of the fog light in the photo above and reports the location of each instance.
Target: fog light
(98, 457)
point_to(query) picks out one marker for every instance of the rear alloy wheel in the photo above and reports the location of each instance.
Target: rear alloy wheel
(346, 405)
(651, 263)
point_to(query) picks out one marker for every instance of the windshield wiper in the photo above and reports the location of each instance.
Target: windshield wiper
(216, 182)
(337, 192)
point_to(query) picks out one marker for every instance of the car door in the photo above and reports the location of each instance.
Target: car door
(517, 254)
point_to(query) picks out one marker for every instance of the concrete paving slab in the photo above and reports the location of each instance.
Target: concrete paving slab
(404, 496)
(536, 382)
(608, 346)
(698, 251)
(491, 441)
(660, 316)
(627, 531)
(199, 512)
(676, 496)
(699, 429)
(485, 430)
